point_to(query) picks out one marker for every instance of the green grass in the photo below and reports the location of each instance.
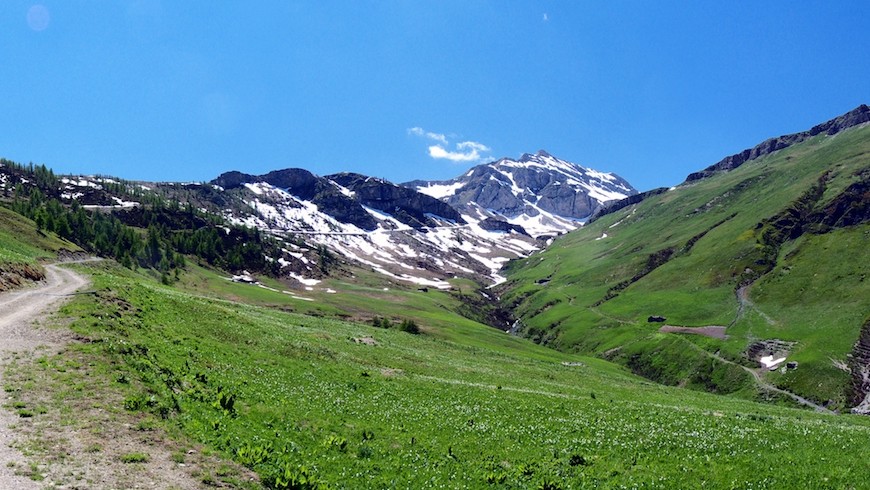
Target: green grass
(21, 243)
(135, 458)
(816, 295)
(299, 399)
(361, 299)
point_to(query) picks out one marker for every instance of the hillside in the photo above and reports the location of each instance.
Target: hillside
(773, 251)
(22, 247)
(353, 375)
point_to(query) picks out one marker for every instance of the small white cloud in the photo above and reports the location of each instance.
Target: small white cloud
(546, 17)
(469, 151)
(427, 134)
(465, 151)
(472, 145)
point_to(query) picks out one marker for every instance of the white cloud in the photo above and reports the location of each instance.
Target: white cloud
(427, 134)
(546, 17)
(472, 145)
(469, 151)
(465, 151)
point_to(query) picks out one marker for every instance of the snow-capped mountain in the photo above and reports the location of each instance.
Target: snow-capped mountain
(396, 231)
(540, 193)
(422, 235)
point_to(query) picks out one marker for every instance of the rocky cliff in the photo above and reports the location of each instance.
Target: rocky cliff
(413, 208)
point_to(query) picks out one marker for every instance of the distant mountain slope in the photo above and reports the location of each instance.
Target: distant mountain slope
(543, 194)
(775, 250)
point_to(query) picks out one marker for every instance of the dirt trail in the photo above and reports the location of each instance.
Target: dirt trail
(18, 311)
(744, 304)
(760, 381)
(89, 453)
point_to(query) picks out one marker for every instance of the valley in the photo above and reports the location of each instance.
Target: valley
(546, 326)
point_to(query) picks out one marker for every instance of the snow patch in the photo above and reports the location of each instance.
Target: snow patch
(770, 363)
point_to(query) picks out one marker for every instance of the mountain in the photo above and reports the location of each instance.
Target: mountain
(407, 236)
(396, 231)
(540, 193)
(745, 265)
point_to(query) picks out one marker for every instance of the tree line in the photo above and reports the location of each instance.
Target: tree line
(156, 236)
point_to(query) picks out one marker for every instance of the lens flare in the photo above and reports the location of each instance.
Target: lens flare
(38, 17)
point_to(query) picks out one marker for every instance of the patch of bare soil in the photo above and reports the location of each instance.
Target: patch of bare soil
(714, 331)
(365, 340)
(77, 434)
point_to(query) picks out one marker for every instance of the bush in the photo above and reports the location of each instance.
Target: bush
(409, 326)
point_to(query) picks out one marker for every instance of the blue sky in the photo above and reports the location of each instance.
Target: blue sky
(185, 90)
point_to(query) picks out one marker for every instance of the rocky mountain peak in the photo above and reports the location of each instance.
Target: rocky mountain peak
(542, 193)
(528, 157)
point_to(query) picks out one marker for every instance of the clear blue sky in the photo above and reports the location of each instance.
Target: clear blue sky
(184, 90)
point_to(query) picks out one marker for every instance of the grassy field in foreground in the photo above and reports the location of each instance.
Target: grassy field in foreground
(313, 402)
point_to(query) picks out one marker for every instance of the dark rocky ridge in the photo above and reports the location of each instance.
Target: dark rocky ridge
(492, 224)
(407, 205)
(628, 201)
(309, 187)
(859, 115)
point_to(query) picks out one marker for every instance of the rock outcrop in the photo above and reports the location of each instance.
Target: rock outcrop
(407, 205)
(859, 364)
(13, 275)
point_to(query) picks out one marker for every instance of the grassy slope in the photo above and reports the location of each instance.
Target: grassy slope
(697, 288)
(21, 243)
(419, 411)
(360, 300)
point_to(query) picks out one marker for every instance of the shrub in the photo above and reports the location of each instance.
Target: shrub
(409, 326)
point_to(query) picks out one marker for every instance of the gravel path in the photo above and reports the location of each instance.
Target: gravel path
(18, 311)
(760, 381)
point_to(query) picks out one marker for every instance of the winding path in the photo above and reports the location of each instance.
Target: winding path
(760, 381)
(18, 311)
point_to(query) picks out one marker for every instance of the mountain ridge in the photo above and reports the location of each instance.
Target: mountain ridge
(540, 192)
(855, 117)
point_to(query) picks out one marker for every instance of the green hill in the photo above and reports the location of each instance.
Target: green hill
(22, 247)
(775, 250)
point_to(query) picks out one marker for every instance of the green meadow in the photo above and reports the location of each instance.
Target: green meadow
(314, 402)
